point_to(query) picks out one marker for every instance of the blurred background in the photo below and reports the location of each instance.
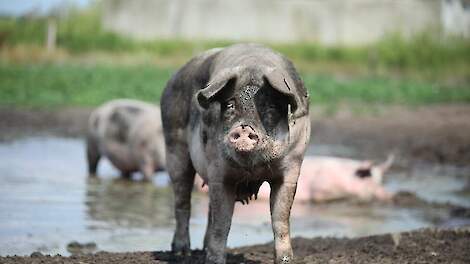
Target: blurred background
(384, 76)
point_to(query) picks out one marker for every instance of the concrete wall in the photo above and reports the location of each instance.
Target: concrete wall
(456, 17)
(325, 21)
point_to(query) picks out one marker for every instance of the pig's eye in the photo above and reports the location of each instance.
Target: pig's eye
(230, 105)
(229, 109)
(270, 116)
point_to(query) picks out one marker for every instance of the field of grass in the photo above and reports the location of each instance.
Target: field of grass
(427, 68)
(47, 85)
(50, 85)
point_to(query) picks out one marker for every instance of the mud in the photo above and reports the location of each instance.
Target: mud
(23, 122)
(437, 134)
(430, 135)
(421, 246)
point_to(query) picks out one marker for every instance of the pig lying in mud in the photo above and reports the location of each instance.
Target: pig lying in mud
(324, 179)
(128, 133)
(327, 178)
(238, 117)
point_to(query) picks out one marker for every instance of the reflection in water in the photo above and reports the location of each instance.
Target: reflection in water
(464, 192)
(433, 183)
(125, 203)
(47, 202)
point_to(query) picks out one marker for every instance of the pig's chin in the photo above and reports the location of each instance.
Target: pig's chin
(259, 156)
(240, 158)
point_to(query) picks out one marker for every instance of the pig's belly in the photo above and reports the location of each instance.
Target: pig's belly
(120, 156)
(196, 151)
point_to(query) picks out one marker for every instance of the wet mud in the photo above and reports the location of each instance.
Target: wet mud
(429, 135)
(420, 246)
(437, 134)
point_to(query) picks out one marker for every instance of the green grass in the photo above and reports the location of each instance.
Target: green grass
(422, 63)
(49, 85)
(61, 85)
(328, 90)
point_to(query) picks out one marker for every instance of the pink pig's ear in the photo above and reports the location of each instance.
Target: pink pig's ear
(216, 85)
(385, 166)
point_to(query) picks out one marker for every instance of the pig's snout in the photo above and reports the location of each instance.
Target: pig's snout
(243, 138)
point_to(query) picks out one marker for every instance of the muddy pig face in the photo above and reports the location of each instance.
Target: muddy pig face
(246, 111)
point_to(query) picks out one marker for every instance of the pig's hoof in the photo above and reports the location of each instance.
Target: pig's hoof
(214, 260)
(181, 249)
(146, 180)
(286, 259)
(183, 253)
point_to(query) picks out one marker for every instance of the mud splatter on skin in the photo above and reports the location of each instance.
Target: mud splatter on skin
(266, 113)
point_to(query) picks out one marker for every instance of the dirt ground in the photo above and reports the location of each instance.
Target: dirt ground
(436, 134)
(16, 122)
(421, 246)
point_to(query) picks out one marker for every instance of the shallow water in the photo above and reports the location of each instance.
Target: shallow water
(46, 201)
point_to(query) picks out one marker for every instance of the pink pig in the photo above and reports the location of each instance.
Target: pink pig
(325, 179)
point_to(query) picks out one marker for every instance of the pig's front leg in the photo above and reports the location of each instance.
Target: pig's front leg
(281, 199)
(209, 224)
(147, 168)
(222, 201)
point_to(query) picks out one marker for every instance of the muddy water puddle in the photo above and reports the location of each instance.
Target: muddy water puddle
(46, 202)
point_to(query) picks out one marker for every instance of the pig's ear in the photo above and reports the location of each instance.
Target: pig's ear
(282, 84)
(215, 86)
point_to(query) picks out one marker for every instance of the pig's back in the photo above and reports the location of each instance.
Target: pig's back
(114, 120)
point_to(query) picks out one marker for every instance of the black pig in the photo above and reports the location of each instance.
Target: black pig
(237, 116)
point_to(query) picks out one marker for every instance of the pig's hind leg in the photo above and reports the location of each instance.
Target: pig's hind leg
(93, 155)
(182, 174)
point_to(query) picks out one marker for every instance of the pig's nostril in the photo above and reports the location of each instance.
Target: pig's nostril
(253, 136)
(235, 135)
